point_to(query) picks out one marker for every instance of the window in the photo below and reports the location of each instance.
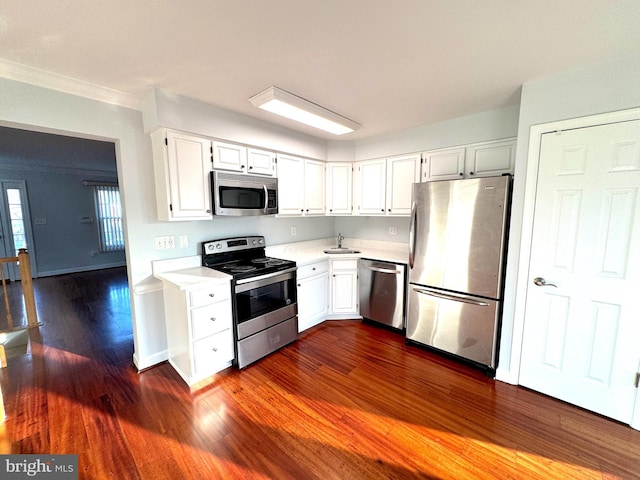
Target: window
(16, 217)
(109, 213)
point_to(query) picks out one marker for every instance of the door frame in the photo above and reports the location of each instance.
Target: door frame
(530, 187)
(7, 240)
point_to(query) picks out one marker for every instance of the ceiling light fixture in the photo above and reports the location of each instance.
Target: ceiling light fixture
(288, 105)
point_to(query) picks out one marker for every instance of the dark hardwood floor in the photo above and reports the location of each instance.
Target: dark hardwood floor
(347, 401)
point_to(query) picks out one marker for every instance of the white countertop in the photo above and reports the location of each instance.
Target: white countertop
(304, 253)
(186, 273)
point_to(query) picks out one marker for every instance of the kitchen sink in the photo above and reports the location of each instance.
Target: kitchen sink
(340, 250)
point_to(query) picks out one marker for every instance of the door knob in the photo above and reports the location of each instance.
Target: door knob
(541, 282)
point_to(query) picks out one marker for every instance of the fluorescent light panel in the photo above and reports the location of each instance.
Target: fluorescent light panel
(286, 104)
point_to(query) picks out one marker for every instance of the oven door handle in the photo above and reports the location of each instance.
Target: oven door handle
(260, 280)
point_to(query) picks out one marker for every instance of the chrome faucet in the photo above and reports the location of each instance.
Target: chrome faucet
(340, 238)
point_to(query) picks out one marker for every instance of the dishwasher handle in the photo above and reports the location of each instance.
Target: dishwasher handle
(384, 270)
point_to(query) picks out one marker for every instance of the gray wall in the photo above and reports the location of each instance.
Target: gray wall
(53, 168)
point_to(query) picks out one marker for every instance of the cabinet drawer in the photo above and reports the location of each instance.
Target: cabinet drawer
(211, 352)
(313, 269)
(210, 319)
(209, 295)
(346, 264)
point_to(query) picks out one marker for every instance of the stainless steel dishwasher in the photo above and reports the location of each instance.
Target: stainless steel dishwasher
(382, 292)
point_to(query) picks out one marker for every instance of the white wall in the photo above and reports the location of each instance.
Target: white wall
(577, 93)
(480, 127)
(163, 109)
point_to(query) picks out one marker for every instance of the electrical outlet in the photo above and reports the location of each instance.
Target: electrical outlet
(393, 230)
(184, 241)
(294, 232)
(171, 241)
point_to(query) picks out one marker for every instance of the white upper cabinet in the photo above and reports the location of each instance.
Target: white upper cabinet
(290, 185)
(228, 156)
(238, 158)
(489, 159)
(383, 186)
(182, 166)
(402, 172)
(443, 164)
(314, 187)
(476, 160)
(339, 188)
(370, 187)
(261, 162)
(301, 186)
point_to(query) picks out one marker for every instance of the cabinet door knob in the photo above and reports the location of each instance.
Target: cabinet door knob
(250, 168)
(461, 174)
(298, 284)
(215, 349)
(470, 173)
(382, 209)
(213, 319)
(314, 269)
(212, 295)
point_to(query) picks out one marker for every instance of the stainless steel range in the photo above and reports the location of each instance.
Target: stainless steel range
(265, 306)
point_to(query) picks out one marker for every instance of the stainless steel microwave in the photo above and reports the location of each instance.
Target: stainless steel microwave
(240, 195)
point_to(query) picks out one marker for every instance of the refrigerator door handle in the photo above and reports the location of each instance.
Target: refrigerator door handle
(412, 234)
(455, 298)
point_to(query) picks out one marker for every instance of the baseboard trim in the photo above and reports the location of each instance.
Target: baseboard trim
(87, 268)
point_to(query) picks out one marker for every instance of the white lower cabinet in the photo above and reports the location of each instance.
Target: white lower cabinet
(344, 288)
(313, 294)
(199, 329)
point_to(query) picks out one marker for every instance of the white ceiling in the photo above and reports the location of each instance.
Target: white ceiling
(388, 65)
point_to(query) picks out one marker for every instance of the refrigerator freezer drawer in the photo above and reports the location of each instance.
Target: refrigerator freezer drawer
(455, 323)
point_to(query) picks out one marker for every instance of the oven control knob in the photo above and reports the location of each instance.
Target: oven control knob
(210, 247)
(254, 242)
(218, 246)
(260, 241)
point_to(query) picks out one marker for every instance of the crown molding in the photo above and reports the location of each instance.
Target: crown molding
(61, 83)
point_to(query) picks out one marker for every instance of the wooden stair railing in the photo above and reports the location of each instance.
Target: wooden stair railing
(29, 301)
(27, 291)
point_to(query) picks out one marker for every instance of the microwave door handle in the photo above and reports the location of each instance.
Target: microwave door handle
(266, 198)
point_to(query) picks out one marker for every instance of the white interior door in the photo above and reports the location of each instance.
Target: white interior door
(582, 328)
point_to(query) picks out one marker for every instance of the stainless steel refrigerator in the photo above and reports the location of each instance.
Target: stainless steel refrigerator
(457, 247)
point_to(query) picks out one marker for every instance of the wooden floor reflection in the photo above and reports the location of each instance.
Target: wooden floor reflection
(347, 401)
